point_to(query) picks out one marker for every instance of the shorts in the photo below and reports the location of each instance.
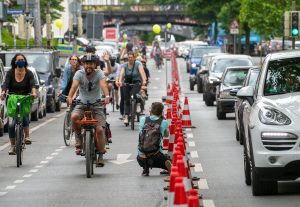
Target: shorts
(98, 113)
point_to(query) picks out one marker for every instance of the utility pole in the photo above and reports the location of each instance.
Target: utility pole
(37, 25)
(293, 38)
(27, 22)
(48, 26)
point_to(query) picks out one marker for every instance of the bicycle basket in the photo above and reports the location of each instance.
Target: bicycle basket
(12, 105)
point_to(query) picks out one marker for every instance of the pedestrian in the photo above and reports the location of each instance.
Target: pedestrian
(152, 130)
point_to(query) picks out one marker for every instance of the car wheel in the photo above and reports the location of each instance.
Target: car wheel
(44, 111)
(209, 100)
(241, 134)
(220, 115)
(192, 84)
(40, 112)
(35, 115)
(199, 86)
(57, 105)
(247, 168)
(5, 128)
(51, 107)
(2, 131)
(237, 133)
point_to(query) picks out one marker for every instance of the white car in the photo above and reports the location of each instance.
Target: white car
(271, 123)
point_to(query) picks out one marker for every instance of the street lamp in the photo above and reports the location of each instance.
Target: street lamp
(168, 27)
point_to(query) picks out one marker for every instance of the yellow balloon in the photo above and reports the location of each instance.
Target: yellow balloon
(156, 29)
(169, 25)
(125, 36)
(58, 23)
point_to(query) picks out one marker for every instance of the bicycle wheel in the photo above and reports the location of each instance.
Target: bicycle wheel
(132, 114)
(19, 138)
(67, 129)
(89, 159)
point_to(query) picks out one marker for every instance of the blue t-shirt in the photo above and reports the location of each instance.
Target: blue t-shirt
(163, 128)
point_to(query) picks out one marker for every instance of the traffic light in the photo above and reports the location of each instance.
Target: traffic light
(295, 24)
(75, 30)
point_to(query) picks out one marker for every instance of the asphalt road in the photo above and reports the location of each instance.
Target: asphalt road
(52, 175)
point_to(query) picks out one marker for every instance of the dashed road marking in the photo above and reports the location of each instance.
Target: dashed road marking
(18, 181)
(49, 158)
(39, 166)
(208, 203)
(10, 187)
(62, 147)
(54, 153)
(44, 162)
(198, 167)
(188, 129)
(194, 154)
(202, 184)
(27, 176)
(3, 193)
(192, 144)
(33, 170)
(58, 150)
(189, 135)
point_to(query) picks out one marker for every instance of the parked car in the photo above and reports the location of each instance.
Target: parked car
(46, 63)
(271, 120)
(232, 78)
(195, 58)
(216, 68)
(3, 115)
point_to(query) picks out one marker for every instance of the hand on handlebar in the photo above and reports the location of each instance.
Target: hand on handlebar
(107, 100)
(69, 100)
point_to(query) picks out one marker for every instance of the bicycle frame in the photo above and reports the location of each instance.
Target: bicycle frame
(133, 101)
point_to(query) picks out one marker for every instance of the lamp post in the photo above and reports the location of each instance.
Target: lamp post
(168, 27)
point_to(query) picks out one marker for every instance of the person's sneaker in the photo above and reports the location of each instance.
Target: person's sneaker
(78, 140)
(126, 119)
(145, 172)
(100, 161)
(138, 108)
(12, 150)
(77, 151)
(117, 107)
(168, 164)
(27, 140)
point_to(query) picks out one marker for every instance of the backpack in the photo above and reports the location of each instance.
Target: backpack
(150, 136)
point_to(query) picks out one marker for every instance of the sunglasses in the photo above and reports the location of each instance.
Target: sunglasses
(90, 86)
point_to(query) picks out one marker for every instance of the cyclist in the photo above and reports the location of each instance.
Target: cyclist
(90, 83)
(69, 72)
(157, 55)
(20, 81)
(113, 76)
(133, 73)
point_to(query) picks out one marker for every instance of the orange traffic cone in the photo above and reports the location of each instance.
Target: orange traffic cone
(186, 118)
(180, 194)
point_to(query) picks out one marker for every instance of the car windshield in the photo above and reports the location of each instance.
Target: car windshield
(220, 65)
(199, 52)
(41, 62)
(283, 76)
(235, 77)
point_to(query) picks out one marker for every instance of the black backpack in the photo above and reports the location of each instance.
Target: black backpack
(150, 136)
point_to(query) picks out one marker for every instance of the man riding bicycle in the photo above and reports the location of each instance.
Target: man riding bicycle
(90, 83)
(113, 77)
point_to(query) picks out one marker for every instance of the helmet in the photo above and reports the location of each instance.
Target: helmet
(90, 49)
(113, 61)
(89, 57)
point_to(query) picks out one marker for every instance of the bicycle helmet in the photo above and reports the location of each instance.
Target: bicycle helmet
(113, 61)
(90, 49)
(89, 57)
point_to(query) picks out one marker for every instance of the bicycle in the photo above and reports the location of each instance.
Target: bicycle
(21, 110)
(133, 104)
(112, 92)
(88, 128)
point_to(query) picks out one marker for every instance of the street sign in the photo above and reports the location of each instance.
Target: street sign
(234, 24)
(111, 33)
(234, 31)
(14, 11)
(69, 36)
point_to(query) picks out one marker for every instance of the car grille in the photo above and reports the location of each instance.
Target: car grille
(279, 143)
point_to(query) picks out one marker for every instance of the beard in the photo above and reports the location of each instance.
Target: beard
(89, 70)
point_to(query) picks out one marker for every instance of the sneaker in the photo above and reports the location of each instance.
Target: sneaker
(145, 172)
(126, 119)
(77, 142)
(27, 140)
(138, 108)
(117, 107)
(12, 150)
(77, 151)
(168, 165)
(100, 161)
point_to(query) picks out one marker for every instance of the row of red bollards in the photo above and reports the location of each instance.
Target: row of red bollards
(181, 191)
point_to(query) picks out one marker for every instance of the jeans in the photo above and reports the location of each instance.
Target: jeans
(128, 90)
(12, 124)
(156, 161)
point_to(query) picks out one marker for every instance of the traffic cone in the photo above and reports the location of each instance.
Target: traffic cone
(169, 96)
(193, 201)
(180, 195)
(171, 139)
(173, 176)
(181, 167)
(186, 118)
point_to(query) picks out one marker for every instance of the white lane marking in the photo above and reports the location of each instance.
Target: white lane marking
(194, 154)
(18, 181)
(159, 71)
(202, 184)
(39, 166)
(33, 170)
(10, 187)
(188, 129)
(154, 87)
(3, 193)
(4, 146)
(27, 176)
(208, 203)
(121, 159)
(62, 147)
(58, 150)
(59, 115)
(49, 158)
(189, 135)
(44, 162)
(54, 153)
(192, 144)
(198, 167)
(156, 78)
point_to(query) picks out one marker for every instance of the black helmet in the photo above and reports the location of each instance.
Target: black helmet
(113, 61)
(90, 49)
(89, 57)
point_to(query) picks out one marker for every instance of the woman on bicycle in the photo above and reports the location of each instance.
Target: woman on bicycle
(132, 72)
(20, 81)
(113, 77)
(157, 54)
(69, 71)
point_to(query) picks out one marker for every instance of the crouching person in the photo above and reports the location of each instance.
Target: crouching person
(152, 130)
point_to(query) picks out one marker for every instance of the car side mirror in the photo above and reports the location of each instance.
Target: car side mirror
(246, 93)
(37, 86)
(234, 91)
(42, 82)
(58, 72)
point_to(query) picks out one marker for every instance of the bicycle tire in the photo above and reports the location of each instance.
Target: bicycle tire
(19, 145)
(132, 114)
(113, 98)
(67, 130)
(88, 154)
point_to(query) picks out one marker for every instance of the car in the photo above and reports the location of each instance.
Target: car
(232, 78)
(215, 70)
(271, 120)
(3, 116)
(46, 63)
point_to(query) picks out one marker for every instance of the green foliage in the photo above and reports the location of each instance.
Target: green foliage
(228, 12)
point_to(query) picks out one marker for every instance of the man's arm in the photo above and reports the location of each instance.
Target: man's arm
(120, 77)
(74, 87)
(108, 68)
(103, 86)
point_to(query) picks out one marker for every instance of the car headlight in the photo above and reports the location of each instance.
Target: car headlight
(272, 116)
(225, 94)
(194, 65)
(212, 80)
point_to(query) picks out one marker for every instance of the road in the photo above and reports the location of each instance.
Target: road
(52, 175)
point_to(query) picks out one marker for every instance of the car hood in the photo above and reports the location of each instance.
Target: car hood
(44, 76)
(216, 75)
(286, 103)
